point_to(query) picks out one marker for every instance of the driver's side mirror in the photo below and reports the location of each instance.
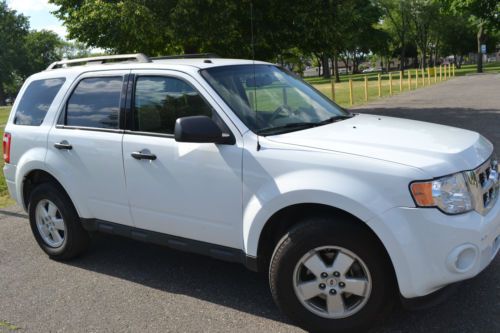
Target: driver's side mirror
(199, 129)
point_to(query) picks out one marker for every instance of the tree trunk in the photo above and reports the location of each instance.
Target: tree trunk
(424, 57)
(336, 66)
(402, 59)
(326, 66)
(318, 59)
(2, 94)
(480, 38)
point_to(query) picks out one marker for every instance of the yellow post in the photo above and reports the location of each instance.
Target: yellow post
(445, 72)
(428, 76)
(409, 79)
(333, 89)
(366, 88)
(423, 76)
(379, 86)
(449, 71)
(453, 69)
(350, 92)
(435, 75)
(400, 81)
(440, 72)
(390, 83)
(416, 78)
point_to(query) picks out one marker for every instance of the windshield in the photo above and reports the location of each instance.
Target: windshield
(269, 100)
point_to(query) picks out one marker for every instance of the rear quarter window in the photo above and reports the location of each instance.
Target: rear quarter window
(36, 101)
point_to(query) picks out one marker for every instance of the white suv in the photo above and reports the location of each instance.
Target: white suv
(244, 162)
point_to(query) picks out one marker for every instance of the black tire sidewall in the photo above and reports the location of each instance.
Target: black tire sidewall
(324, 232)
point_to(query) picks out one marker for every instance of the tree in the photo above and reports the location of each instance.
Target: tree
(454, 36)
(397, 22)
(485, 15)
(424, 17)
(42, 48)
(120, 26)
(13, 30)
(72, 49)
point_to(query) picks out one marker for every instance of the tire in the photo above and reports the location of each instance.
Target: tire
(334, 242)
(73, 240)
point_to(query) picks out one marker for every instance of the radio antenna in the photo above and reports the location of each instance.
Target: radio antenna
(253, 64)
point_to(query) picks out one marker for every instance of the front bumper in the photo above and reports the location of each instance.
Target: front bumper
(430, 250)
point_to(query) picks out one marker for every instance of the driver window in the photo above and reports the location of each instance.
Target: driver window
(159, 101)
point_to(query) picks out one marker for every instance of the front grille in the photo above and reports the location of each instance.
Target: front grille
(483, 184)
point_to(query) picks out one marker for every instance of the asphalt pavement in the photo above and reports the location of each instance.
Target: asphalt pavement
(122, 285)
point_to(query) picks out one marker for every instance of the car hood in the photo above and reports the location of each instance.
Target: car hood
(436, 149)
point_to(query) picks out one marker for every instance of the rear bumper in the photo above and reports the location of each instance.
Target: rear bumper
(9, 172)
(430, 250)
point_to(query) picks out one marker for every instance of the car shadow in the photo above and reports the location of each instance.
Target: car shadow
(178, 272)
(232, 285)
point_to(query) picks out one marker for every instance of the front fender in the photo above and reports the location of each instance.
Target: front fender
(361, 199)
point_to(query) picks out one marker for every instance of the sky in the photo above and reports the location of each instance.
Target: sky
(39, 15)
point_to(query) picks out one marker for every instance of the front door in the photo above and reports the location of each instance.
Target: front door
(188, 190)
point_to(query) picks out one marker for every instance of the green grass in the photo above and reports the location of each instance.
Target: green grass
(342, 88)
(8, 326)
(466, 69)
(5, 199)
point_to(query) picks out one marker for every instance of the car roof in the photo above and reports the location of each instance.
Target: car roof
(187, 65)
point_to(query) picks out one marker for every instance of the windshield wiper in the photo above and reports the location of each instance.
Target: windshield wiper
(284, 128)
(301, 125)
(334, 119)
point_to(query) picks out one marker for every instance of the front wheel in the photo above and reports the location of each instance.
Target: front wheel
(331, 276)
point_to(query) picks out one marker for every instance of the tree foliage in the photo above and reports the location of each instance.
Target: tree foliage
(14, 28)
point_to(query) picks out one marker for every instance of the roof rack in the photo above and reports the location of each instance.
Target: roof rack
(139, 57)
(187, 56)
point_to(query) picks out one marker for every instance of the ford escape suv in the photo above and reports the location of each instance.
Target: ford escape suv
(242, 161)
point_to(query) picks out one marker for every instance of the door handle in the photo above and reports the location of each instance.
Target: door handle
(63, 145)
(143, 155)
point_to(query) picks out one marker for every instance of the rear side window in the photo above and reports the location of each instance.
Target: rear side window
(36, 101)
(159, 101)
(95, 102)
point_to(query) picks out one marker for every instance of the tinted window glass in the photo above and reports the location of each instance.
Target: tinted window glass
(159, 101)
(95, 103)
(36, 100)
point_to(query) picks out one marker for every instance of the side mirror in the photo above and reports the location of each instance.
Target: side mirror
(199, 129)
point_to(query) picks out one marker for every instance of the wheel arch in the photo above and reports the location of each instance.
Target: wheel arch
(287, 217)
(35, 177)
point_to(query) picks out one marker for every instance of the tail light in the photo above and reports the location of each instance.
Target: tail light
(6, 147)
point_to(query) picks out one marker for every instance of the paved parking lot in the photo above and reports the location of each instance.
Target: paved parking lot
(127, 286)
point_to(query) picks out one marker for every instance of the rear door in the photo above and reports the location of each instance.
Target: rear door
(85, 147)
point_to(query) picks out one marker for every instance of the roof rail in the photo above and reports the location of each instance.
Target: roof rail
(187, 56)
(139, 57)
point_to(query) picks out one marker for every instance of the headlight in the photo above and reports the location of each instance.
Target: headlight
(450, 194)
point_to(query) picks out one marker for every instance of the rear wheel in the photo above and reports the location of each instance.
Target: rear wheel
(331, 276)
(55, 223)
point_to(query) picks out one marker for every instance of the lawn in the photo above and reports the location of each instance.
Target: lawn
(5, 200)
(342, 88)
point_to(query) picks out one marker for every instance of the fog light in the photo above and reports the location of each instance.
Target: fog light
(462, 258)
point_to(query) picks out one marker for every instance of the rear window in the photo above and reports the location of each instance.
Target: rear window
(36, 101)
(95, 103)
